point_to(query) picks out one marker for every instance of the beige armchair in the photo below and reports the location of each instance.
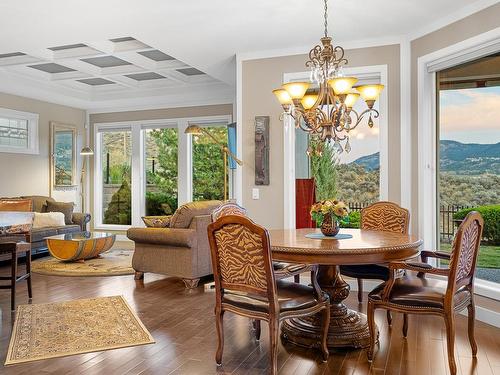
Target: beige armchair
(181, 250)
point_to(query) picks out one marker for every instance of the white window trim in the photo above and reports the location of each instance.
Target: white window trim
(184, 165)
(364, 73)
(33, 143)
(467, 50)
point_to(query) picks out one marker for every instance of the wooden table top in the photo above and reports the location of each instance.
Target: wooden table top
(364, 247)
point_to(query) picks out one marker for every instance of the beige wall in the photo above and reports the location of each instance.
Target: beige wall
(23, 174)
(468, 27)
(259, 78)
(153, 114)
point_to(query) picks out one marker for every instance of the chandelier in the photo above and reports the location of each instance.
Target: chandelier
(327, 114)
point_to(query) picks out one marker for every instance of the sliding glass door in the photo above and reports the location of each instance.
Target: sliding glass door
(469, 155)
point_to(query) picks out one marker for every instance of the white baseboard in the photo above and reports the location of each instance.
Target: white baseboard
(482, 314)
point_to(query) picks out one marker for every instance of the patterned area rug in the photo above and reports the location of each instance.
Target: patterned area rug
(60, 329)
(111, 263)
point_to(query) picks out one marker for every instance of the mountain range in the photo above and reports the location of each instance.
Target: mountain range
(456, 157)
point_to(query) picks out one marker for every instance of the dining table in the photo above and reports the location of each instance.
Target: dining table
(348, 328)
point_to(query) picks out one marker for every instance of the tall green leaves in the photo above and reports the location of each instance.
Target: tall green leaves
(324, 171)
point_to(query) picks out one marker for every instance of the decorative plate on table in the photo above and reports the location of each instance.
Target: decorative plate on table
(321, 236)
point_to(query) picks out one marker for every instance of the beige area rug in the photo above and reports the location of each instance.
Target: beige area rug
(60, 329)
(111, 263)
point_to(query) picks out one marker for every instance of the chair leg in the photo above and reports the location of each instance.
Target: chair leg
(405, 325)
(256, 327)
(28, 271)
(449, 320)
(13, 277)
(273, 344)
(139, 275)
(219, 316)
(360, 290)
(372, 327)
(296, 278)
(324, 339)
(471, 310)
(389, 317)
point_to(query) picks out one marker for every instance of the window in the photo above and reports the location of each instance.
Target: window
(468, 136)
(208, 164)
(152, 167)
(18, 131)
(116, 177)
(161, 169)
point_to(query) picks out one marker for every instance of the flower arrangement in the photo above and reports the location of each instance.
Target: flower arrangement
(330, 210)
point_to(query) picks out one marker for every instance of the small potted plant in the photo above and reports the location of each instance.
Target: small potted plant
(328, 214)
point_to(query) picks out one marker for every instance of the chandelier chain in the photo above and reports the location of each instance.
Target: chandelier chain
(326, 18)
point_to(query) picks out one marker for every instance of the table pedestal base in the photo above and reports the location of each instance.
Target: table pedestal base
(348, 328)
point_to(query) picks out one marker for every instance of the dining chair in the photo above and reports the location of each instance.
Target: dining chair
(282, 270)
(417, 294)
(386, 216)
(245, 283)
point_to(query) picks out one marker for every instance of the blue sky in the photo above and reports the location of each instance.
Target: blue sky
(470, 115)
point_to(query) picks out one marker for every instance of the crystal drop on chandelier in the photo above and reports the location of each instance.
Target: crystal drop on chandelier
(347, 147)
(370, 122)
(338, 147)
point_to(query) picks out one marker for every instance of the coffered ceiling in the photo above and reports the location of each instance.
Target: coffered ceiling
(119, 53)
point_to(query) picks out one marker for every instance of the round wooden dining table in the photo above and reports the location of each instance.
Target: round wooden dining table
(348, 328)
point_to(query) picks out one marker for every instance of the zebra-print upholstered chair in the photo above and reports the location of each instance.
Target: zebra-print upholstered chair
(282, 270)
(412, 294)
(245, 283)
(386, 216)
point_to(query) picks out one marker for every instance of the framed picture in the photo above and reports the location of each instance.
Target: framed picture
(62, 155)
(261, 150)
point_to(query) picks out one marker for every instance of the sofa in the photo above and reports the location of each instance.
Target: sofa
(179, 250)
(38, 235)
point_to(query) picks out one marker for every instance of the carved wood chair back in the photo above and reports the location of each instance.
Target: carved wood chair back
(241, 258)
(387, 216)
(228, 209)
(464, 253)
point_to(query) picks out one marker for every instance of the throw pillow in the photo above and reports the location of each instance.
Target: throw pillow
(65, 208)
(17, 205)
(48, 219)
(157, 221)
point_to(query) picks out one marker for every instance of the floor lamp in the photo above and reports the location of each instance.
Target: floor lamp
(85, 152)
(198, 130)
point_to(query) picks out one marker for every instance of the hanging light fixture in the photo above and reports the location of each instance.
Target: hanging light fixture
(328, 114)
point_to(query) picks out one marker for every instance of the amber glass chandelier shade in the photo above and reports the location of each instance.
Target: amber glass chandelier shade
(309, 100)
(283, 96)
(351, 99)
(296, 90)
(370, 92)
(342, 85)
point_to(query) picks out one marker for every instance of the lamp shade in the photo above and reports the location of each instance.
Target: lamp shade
(342, 85)
(283, 96)
(351, 99)
(296, 90)
(370, 92)
(86, 151)
(193, 129)
(308, 101)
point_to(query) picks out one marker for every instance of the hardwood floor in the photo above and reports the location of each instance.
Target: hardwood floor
(182, 324)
